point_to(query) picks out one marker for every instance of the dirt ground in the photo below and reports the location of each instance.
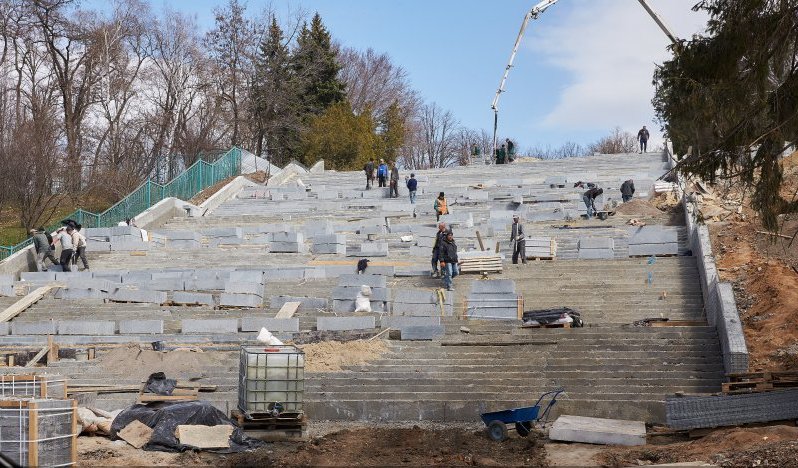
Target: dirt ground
(143, 362)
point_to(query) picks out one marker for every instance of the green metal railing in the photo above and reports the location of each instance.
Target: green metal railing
(192, 181)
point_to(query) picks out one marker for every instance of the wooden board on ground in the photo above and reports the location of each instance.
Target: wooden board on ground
(182, 392)
(754, 382)
(18, 307)
(205, 437)
(136, 434)
(38, 357)
(287, 310)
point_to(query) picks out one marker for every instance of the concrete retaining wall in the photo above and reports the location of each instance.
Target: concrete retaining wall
(719, 302)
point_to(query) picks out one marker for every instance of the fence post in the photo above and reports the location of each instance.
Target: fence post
(149, 193)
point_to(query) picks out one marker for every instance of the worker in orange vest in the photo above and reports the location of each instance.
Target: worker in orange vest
(441, 207)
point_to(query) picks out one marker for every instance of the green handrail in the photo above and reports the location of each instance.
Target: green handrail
(190, 182)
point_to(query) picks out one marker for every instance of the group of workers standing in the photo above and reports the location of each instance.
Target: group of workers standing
(72, 242)
(391, 176)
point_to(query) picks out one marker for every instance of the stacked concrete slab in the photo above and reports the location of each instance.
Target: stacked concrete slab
(117, 238)
(330, 244)
(287, 242)
(349, 286)
(596, 247)
(493, 299)
(243, 289)
(540, 247)
(694, 412)
(421, 302)
(653, 240)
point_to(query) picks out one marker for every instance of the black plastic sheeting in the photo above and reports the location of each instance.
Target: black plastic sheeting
(546, 316)
(158, 383)
(164, 417)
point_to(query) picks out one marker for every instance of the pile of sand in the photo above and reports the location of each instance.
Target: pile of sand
(177, 364)
(334, 355)
(638, 207)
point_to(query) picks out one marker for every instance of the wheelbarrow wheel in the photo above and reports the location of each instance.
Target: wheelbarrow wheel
(497, 431)
(523, 428)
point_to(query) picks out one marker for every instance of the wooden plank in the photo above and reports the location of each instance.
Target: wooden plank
(136, 434)
(479, 239)
(205, 437)
(52, 350)
(74, 454)
(18, 307)
(38, 356)
(33, 434)
(287, 310)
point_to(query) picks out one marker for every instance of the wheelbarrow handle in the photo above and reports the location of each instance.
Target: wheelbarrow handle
(553, 400)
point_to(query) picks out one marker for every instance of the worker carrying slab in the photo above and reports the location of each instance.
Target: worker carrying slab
(518, 240)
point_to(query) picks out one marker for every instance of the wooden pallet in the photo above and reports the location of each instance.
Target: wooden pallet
(755, 382)
(266, 427)
(538, 259)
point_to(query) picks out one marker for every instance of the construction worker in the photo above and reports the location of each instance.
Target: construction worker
(382, 173)
(393, 191)
(449, 261)
(510, 150)
(589, 198)
(440, 237)
(441, 207)
(42, 247)
(67, 248)
(501, 154)
(412, 186)
(627, 190)
(517, 240)
(642, 137)
(369, 170)
(79, 242)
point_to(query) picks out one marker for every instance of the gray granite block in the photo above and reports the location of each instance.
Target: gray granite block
(493, 286)
(33, 328)
(247, 276)
(254, 324)
(139, 295)
(237, 287)
(209, 326)
(344, 323)
(37, 276)
(240, 300)
(305, 303)
(424, 332)
(592, 254)
(396, 322)
(140, 327)
(7, 290)
(375, 281)
(86, 327)
(180, 297)
(596, 243)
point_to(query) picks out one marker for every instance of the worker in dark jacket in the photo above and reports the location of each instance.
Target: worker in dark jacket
(440, 237)
(589, 198)
(369, 170)
(627, 190)
(449, 260)
(412, 186)
(517, 240)
(393, 190)
(42, 247)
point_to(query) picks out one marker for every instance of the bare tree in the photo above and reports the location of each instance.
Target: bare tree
(618, 141)
(435, 144)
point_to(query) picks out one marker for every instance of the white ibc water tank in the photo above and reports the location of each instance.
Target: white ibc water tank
(271, 380)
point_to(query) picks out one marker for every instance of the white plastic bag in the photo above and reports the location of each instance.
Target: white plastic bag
(362, 303)
(265, 336)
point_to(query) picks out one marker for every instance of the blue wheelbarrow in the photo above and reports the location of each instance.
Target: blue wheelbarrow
(522, 418)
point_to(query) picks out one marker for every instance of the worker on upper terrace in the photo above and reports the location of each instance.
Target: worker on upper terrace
(642, 137)
(441, 207)
(412, 186)
(518, 240)
(501, 154)
(627, 190)
(382, 173)
(449, 261)
(369, 170)
(589, 198)
(510, 150)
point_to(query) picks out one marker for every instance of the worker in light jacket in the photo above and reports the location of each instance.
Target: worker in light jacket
(517, 240)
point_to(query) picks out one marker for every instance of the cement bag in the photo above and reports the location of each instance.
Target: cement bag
(362, 303)
(265, 336)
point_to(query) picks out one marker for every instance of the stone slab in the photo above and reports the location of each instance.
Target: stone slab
(86, 327)
(598, 431)
(423, 332)
(345, 323)
(180, 297)
(240, 300)
(329, 249)
(493, 286)
(209, 326)
(237, 287)
(652, 235)
(286, 247)
(348, 306)
(140, 327)
(7, 290)
(594, 254)
(139, 295)
(653, 249)
(288, 237)
(37, 276)
(596, 243)
(254, 324)
(247, 276)
(33, 328)
(305, 303)
(350, 293)
(397, 322)
(80, 293)
(5, 328)
(375, 281)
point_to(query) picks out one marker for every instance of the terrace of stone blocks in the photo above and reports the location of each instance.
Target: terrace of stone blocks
(213, 281)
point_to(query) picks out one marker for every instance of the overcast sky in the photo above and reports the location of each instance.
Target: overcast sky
(585, 66)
